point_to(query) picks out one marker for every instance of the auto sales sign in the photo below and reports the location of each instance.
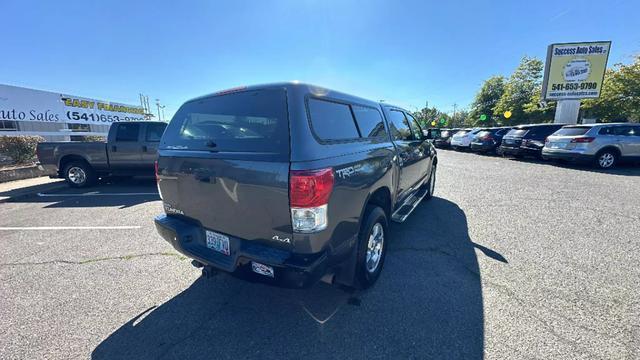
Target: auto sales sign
(22, 104)
(575, 70)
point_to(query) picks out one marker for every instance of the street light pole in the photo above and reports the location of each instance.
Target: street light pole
(158, 105)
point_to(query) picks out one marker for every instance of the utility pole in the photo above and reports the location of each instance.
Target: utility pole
(455, 106)
(158, 105)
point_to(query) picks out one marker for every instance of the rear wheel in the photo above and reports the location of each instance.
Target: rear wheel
(606, 159)
(372, 246)
(79, 174)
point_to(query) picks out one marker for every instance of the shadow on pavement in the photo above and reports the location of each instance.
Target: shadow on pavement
(119, 192)
(426, 304)
(624, 169)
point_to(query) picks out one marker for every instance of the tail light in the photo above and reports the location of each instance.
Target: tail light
(309, 193)
(582, 140)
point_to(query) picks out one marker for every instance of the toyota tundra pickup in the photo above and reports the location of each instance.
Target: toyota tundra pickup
(130, 150)
(290, 183)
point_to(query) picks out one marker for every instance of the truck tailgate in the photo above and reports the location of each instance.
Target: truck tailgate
(246, 198)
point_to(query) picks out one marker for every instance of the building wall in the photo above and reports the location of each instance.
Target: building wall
(50, 131)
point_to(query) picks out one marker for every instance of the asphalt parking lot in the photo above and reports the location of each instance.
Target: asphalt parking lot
(511, 259)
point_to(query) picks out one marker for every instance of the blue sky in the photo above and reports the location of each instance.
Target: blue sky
(405, 52)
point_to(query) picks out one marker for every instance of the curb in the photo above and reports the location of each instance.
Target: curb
(30, 191)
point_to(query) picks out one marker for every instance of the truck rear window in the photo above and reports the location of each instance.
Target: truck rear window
(248, 121)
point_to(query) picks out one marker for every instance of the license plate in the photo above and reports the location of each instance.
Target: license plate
(510, 141)
(558, 145)
(218, 242)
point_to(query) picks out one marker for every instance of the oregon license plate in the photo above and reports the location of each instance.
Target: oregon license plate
(218, 242)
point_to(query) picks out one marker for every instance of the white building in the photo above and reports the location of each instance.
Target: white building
(59, 117)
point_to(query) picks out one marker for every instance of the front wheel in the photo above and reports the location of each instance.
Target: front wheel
(432, 183)
(79, 174)
(372, 246)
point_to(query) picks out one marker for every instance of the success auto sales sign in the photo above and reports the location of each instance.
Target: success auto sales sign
(575, 70)
(22, 104)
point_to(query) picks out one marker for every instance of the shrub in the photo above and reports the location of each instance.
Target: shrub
(22, 149)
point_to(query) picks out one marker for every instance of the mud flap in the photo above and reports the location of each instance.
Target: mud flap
(346, 274)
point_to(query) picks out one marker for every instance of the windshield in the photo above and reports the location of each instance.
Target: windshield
(572, 131)
(242, 121)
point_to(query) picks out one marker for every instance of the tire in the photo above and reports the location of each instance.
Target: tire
(606, 159)
(432, 183)
(79, 174)
(371, 259)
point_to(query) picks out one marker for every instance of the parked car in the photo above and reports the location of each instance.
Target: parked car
(527, 140)
(130, 150)
(444, 140)
(603, 145)
(462, 139)
(432, 133)
(488, 140)
(290, 183)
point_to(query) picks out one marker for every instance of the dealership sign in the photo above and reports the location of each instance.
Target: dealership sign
(575, 70)
(22, 104)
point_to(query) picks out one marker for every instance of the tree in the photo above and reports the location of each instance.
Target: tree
(519, 90)
(620, 95)
(537, 111)
(485, 100)
(429, 114)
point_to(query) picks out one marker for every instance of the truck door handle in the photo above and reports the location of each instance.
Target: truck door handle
(113, 148)
(144, 148)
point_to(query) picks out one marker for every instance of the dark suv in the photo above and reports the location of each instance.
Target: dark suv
(488, 140)
(290, 183)
(527, 140)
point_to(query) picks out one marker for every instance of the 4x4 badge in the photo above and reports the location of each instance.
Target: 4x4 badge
(285, 240)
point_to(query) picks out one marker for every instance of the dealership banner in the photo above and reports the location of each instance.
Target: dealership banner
(575, 71)
(22, 104)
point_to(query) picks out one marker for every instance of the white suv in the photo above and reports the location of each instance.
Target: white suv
(462, 139)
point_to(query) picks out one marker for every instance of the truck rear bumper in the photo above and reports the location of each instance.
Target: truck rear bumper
(289, 269)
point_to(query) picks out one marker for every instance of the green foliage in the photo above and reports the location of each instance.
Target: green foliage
(428, 114)
(486, 99)
(536, 111)
(521, 87)
(620, 96)
(22, 149)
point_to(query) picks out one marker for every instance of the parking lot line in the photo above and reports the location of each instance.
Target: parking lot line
(97, 194)
(13, 228)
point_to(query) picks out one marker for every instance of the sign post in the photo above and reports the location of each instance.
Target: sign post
(574, 71)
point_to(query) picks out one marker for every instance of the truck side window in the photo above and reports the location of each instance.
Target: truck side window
(415, 128)
(369, 121)
(154, 132)
(399, 126)
(127, 132)
(331, 120)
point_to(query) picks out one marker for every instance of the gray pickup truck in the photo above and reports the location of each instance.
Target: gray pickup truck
(290, 183)
(130, 150)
